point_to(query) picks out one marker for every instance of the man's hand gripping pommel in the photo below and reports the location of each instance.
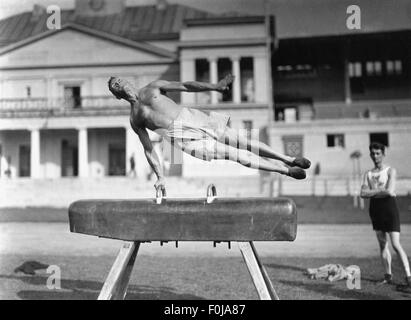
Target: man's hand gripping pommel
(160, 184)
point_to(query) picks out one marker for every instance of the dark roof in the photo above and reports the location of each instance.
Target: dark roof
(314, 18)
(294, 19)
(134, 23)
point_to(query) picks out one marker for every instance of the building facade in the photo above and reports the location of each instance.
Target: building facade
(336, 94)
(321, 94)
(57, 116)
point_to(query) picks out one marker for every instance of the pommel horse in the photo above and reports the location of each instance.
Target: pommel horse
(242, 220)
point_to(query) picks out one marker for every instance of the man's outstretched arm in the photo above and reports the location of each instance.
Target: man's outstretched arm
(194, 86)
(152, 157)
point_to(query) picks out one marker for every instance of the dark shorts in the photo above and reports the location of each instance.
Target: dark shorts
(384, 214)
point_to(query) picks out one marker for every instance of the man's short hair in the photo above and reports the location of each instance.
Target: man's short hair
(377, 146)
(111, 82)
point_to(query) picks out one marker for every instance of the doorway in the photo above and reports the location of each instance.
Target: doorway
(69, 159)
(116, 160)
(24, 161)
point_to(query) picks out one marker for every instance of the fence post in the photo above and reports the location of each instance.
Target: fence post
(325, 187)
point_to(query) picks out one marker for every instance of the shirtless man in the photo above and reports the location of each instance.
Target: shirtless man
(201, 134)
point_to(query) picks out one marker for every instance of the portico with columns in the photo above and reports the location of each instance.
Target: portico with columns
(54, 149)
(209, 50)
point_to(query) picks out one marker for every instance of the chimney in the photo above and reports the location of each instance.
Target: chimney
(98, 8)
(38, 12)
(161, 4)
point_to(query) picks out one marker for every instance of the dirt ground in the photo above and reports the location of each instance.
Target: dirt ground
(195, 270)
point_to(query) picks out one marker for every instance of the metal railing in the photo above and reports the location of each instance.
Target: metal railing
(88, 102)
(364, 109)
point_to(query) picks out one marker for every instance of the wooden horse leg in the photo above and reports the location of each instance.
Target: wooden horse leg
(115, 286)
(257, 271)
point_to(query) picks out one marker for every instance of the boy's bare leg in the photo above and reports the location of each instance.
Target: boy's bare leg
(233, 138)
(251, 160)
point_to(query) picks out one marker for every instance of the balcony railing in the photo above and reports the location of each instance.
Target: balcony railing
(38, 104)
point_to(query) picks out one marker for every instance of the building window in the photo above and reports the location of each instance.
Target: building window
(72, 97)
(355, 75)
(296, 71)
(225, 67)
(286, 114)
(248, 126)
(335, 141)
(202, 75)
(279, 114)
(393, 67)
(28, 92)
(381, 137)
(373, 68)
(247, 79)
(355, 69)
(284, 69)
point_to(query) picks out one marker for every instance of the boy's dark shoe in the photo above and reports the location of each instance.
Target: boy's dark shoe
(387, 279)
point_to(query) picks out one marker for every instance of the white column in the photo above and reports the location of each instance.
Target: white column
(347, 88)
(35, 153)
(188, 74)
(237, 80)
(83, 152)
(260, 78)
(213, 79)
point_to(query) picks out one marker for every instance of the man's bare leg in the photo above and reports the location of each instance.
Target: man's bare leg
(233, 138)
(251, 160)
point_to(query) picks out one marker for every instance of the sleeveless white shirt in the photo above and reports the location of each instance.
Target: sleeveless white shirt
(378, 179)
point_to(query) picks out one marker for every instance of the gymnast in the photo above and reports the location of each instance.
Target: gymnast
(204, 135)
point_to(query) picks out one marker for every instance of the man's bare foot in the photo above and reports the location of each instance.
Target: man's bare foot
(296, 173)
(303, 163)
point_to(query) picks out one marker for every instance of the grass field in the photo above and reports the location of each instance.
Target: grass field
(331, 231)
